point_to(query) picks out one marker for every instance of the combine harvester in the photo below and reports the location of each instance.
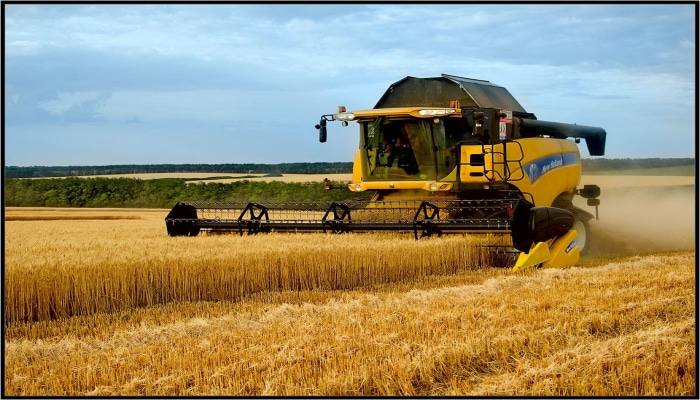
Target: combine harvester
(442, 155)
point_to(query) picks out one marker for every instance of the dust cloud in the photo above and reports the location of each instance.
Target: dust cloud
(642, 220)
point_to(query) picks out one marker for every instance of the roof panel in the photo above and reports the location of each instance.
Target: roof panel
(438, 92)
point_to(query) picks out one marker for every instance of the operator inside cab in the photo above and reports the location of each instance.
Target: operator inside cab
(411, 149)
(397, 152)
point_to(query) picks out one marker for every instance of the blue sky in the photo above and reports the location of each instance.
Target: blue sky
(101, 84)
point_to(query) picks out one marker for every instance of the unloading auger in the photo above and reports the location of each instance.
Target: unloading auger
(442, 155)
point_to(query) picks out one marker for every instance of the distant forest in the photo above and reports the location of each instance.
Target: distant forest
(119, 192)
(268, 169)
(162, 193)
(588, 165)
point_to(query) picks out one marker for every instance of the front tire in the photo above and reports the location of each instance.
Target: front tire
(582, 234)
(581, 218)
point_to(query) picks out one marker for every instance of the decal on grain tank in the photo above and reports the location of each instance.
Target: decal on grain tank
(541, 166)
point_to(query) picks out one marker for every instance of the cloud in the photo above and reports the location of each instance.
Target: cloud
(229, 71)
(69, 100)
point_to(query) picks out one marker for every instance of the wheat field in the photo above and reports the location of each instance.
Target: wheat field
(133, 263)
(105, 303)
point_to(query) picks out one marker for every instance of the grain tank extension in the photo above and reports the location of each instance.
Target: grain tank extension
(442, 155)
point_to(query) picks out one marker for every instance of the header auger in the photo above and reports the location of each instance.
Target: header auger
(442, 155)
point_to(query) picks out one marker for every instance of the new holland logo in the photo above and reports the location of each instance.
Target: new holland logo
(536, 169)
(570, 246)
(533, 171)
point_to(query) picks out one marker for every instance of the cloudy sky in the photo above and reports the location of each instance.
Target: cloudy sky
(102, 84)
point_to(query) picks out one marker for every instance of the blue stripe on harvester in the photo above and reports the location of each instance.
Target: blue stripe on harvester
(541, 166)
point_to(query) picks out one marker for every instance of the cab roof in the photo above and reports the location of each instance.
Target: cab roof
(439, 91)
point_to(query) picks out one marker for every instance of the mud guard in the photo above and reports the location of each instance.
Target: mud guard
(537, 255)
(565, 251)
(544, 236)
(562, 252)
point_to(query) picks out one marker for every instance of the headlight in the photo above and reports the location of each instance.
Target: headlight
(433, 186)
(442, 111)
(344, 116)
(358, 188)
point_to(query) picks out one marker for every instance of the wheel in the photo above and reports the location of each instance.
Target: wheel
(582, 234)
(581, 218)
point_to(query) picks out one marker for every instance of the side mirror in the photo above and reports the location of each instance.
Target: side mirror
(589, 191)
(322, 134)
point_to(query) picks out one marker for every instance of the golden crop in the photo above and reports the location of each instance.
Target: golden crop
(66, 268)
(116, 307)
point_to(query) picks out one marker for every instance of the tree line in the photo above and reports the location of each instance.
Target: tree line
(161, 193)
(613, 164)
(271, 169)
(588, 165)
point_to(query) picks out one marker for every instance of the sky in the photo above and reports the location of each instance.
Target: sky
(105, 84)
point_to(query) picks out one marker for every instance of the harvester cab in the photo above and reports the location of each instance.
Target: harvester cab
(443, 155)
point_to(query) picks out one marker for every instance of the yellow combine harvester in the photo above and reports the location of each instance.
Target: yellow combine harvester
(443, 155)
